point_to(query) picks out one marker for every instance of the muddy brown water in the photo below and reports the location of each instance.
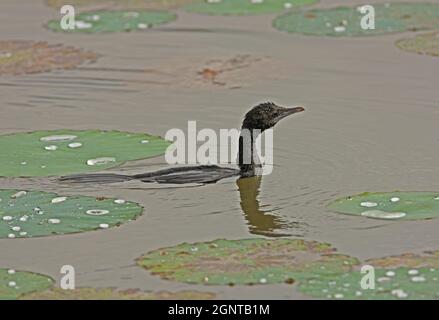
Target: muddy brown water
(371, 125)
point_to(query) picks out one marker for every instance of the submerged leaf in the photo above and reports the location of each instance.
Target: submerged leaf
(25, 57)
(428, 259)
(115, 294)
(423, 44)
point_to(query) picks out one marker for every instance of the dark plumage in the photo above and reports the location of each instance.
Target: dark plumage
(262, 117)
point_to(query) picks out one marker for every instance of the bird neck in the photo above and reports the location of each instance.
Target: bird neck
(248, 159)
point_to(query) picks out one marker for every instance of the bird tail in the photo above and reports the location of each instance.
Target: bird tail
(96, 178)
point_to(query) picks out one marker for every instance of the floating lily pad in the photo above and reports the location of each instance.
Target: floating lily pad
(115, 294)
(22, 57)
(15, 283)
(429, 259)
(115, 21)
(400, 283)
(346, 21)
(423, 44)
(121, 4)
(25, 214)
(46, 153)
(390, 205)
(244, 7)
(250, 261)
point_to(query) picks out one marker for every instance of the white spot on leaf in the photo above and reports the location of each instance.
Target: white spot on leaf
(378, 214)
(51, 147)
(58, 138)
(100, 161)
(97, 212)
(75, 145)
(59, 199)
(19, 194)
(368, 204)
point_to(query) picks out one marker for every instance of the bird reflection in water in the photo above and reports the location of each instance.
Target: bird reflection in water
(260, 222)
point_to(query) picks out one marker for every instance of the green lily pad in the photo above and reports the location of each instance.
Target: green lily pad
(249, 261)
(390, 205)
(19, 57)
(400, 283)
(115, 294)
(423, 44)
(115, 21)
(245, 7)
(405, 276)
(46, 153)
(15, 283)
(346, 21)
(121, 4)
(25, 214)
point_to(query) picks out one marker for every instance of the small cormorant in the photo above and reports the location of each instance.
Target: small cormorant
(262, 117)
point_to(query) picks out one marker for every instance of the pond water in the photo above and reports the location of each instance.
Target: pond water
(370, 125)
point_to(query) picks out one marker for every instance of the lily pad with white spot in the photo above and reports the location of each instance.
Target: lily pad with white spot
(34, 214)
(249, 261)
(390, 205)
(245, 7)
(15, 283)
(116, 294)
(114, 21)
(346, 21)
(27, 155)
(397, 284)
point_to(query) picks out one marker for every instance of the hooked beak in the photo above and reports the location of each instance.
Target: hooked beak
(289, 111)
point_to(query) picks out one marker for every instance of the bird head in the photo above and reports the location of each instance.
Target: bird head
(265, 115)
